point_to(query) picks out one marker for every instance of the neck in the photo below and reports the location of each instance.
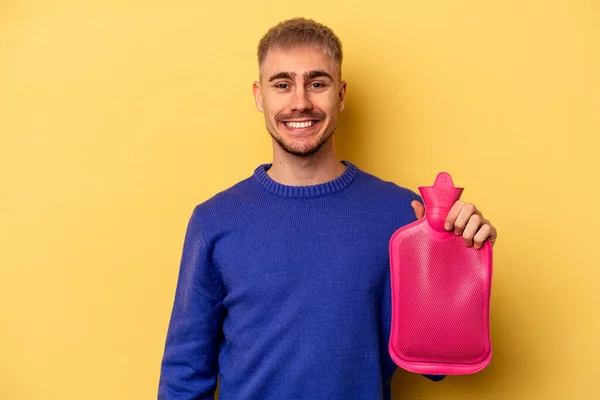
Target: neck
(321, 167)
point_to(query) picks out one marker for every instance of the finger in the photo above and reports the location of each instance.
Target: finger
(493, 234)
(464, 215)
(471, 229)
(454, 211)
(418, 208)
(482, 234)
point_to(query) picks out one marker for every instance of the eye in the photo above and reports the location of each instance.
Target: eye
(317, 85)
(281, 86)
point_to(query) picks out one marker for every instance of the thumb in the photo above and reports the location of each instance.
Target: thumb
(419, 208)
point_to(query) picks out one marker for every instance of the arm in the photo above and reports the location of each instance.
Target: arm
(190, 362)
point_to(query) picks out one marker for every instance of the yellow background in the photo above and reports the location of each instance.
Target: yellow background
(118, 117)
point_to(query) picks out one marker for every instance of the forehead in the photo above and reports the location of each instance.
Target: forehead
(297, 60)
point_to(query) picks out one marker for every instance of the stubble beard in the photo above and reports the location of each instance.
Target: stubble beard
(288, 147)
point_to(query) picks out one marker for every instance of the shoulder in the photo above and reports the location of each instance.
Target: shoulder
(210, 218)
(225, 202)
(387, 202)
(387, 189)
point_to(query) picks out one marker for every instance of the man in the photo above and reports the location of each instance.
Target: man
(284, 285)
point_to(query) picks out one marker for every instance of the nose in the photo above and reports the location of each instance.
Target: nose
(300, 100)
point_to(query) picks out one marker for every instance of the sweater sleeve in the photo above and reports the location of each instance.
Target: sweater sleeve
(435, 378)
(189, 366)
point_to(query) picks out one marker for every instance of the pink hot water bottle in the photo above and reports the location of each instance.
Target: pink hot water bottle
(440, 292)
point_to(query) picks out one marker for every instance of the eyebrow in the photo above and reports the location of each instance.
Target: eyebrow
(316, 74)
(282, 75)
(307, 75)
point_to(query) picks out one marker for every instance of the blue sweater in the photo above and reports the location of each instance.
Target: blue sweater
(284, 292)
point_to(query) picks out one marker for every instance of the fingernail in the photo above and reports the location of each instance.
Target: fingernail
(447, 226)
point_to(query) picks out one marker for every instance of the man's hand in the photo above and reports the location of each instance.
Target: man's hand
(466, 220)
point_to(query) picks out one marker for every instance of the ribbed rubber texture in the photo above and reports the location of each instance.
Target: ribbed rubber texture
(440, 303)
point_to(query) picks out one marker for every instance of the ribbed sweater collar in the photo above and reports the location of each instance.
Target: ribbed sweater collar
(321, 189)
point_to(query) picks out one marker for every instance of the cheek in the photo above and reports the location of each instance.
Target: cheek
(328, 103)
(270, 113)
(272, 108)
(330, 110)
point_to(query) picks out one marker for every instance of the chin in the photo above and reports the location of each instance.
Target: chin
(302, 148)
(301, 151)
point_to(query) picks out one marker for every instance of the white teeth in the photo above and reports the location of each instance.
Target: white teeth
(304, 124)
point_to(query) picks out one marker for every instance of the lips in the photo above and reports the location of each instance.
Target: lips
(300, 124)
(306, 127)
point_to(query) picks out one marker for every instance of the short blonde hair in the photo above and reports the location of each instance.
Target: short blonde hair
(297, 32)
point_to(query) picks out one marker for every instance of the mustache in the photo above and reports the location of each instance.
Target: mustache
(313, 114)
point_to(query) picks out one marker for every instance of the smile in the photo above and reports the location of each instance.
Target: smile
(300, 124)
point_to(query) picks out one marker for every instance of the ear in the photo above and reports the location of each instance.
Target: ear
(342, 95)
(258, 96)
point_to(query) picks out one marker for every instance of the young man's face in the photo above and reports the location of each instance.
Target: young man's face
(300, 93)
